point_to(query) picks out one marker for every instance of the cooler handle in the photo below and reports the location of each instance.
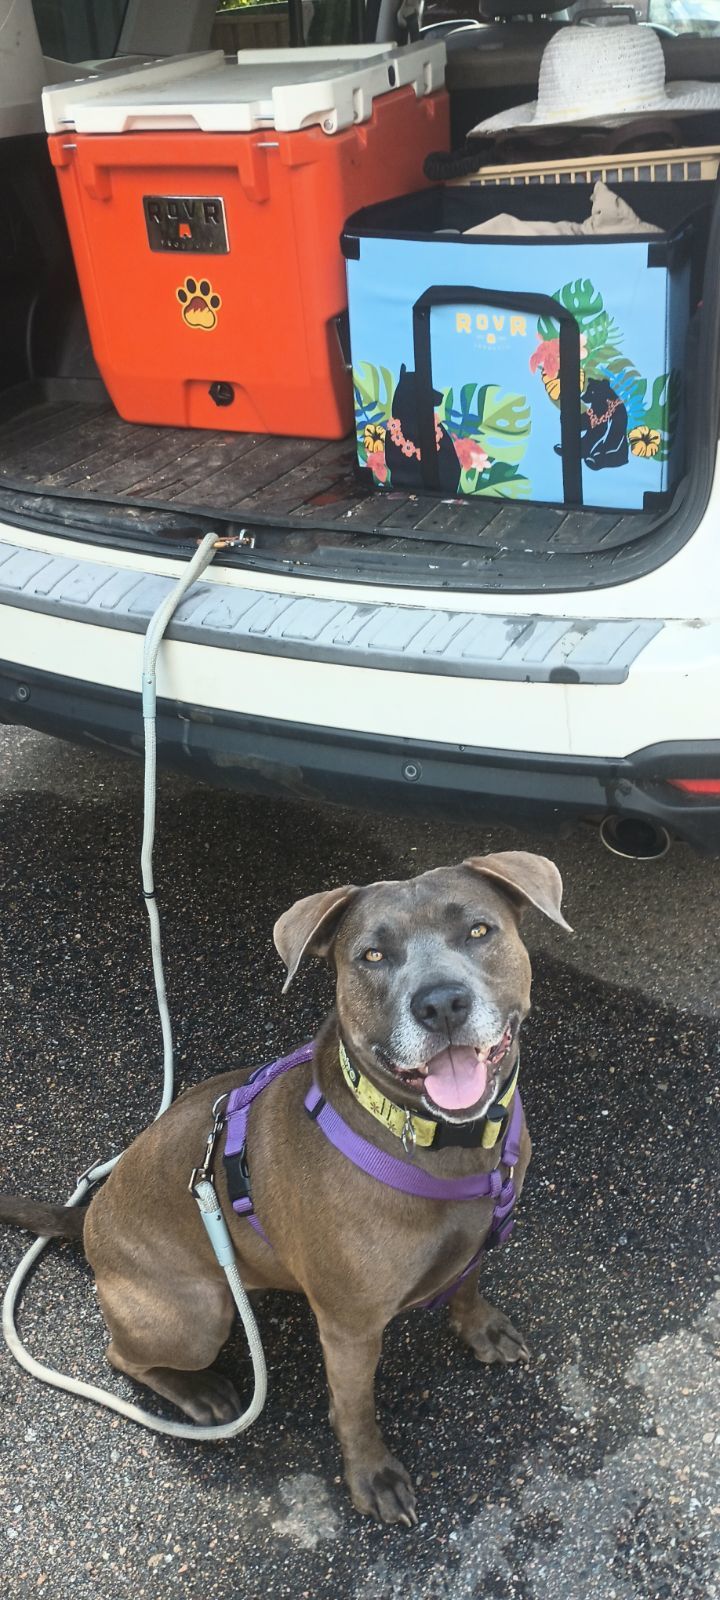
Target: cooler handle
(537, 304)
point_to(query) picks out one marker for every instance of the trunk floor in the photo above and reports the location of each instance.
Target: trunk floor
(297, 484)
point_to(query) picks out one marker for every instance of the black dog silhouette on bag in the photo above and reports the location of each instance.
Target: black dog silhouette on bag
(403, 455)
(603, 427)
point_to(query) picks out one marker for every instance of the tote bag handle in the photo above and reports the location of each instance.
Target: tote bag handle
(537, 305)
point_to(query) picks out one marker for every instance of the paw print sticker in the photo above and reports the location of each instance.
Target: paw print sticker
(199, 304)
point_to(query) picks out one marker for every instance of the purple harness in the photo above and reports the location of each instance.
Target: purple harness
(385, 1168)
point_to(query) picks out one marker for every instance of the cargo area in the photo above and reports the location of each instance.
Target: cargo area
(68, 460)
(297, 499)
(66, 457)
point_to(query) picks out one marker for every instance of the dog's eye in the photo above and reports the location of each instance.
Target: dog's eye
(480, 931)
(373, 955)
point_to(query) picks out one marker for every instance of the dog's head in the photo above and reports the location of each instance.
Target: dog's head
(433, 978)
(597, 394)
(405, 401)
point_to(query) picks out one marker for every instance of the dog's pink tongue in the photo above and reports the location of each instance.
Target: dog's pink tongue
(456, 1079)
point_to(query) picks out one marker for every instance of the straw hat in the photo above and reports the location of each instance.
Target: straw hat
(603, 75)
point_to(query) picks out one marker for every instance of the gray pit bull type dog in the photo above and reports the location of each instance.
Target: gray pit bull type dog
(433, 984)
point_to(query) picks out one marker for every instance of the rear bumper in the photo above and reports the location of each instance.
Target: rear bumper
(373, 771)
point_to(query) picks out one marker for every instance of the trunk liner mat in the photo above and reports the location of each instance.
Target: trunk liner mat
(302, 484)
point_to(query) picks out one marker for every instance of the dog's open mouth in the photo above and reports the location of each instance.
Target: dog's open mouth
(459, 1078)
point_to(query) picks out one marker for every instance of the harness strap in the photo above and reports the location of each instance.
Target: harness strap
(503, 1218)
(513, 1136)
(236, 1116)
(386, 1169)
(389, 1169)
(241, 1099)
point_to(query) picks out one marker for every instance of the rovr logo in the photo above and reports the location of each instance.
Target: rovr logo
(491, 324)
(186, 222)
(186, 212)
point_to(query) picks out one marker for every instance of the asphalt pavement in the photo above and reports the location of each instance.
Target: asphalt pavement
(592, 1475)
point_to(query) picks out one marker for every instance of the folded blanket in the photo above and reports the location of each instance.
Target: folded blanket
(609, 214)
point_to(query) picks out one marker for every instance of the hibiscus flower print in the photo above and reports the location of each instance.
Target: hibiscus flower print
(644, 441)
(376, 460)
(470, 454)
(546, 357)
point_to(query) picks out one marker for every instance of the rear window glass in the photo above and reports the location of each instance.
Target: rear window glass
(79, 30)
(685, 16)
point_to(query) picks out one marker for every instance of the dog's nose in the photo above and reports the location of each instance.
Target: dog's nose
(440, 1007)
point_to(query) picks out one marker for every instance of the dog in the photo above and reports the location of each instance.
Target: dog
(432, 987)
(402, 450)
(604, 427)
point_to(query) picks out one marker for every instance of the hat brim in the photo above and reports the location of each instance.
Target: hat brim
(678, 98)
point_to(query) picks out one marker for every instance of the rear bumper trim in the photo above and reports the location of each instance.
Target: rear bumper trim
(422, 639)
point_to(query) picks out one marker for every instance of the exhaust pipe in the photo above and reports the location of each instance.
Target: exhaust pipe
(634, 838)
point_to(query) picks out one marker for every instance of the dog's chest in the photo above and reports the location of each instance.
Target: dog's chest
(438, 1262)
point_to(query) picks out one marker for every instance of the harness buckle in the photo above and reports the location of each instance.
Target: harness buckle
(407, 1136)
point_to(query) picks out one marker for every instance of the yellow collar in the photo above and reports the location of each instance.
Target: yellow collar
(408, 1126)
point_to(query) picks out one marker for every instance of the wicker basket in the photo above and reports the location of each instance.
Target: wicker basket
(260, 27)
(640, 166)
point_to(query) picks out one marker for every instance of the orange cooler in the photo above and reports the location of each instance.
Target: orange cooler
(205, 200)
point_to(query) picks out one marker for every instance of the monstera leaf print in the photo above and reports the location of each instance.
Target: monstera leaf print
(600, 336)
(651, 425)
(506, 424)
(582, 299)
(490, 431)
(664, 408)
(500, 422)
(374, 389)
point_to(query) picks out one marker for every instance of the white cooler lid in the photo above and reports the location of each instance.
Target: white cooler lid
(332, 86)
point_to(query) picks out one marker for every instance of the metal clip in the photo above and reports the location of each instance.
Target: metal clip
(408, 1135)
(243, 539)
(87, 1175)
(204, 1173)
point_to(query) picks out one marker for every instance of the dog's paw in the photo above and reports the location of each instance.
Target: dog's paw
(384, 1492)
(207, 1398)
(495, 1339)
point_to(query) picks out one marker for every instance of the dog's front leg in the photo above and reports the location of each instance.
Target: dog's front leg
(489, 1333)
(379, 1485)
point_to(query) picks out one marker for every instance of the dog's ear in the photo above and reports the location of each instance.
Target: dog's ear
(309, 927)
(529, 878)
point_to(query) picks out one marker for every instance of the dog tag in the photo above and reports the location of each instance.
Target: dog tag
(408, 1135)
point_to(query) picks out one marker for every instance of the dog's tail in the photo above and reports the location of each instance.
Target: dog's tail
(56, 1222)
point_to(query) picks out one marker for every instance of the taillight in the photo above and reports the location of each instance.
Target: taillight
(696, 785)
